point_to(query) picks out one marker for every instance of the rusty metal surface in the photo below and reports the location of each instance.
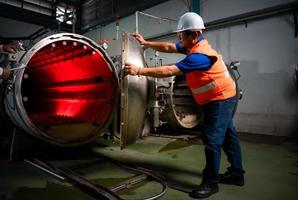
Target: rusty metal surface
(134, 91)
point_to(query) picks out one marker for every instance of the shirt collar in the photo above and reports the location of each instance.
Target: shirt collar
(200, 39)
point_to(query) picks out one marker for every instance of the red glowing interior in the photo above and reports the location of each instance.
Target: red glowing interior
(67, 83)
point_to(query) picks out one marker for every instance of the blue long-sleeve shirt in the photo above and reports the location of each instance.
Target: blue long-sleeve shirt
(194, 61)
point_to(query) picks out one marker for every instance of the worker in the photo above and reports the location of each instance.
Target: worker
(4, 70)
(213, 89)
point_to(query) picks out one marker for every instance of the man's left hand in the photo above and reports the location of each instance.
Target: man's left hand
(131, 69)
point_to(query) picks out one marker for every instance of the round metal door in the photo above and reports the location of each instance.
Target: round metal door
(134, 90)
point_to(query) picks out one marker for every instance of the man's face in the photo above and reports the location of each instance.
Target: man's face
(186, 41)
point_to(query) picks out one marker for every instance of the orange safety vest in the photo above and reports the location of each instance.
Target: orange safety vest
(213, 84)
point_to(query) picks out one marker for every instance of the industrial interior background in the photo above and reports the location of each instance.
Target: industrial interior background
(261, 34)
(268, 81)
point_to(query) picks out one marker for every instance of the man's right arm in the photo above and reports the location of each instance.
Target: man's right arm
(167, 47)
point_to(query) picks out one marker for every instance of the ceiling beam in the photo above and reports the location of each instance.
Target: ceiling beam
(20, 14)
(24, 15)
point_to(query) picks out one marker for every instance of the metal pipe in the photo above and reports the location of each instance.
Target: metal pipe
(156, 177)
(154, 110)
(156, 17)
(155, 114)
(129, 183)
(149, 15)
(12, 143)
(295, 22)
(61, 178)
(137, 21)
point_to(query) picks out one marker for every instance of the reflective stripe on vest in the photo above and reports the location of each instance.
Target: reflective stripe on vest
(204, 88)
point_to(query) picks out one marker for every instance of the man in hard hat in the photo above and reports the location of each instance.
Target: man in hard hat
(8, 48)
(213, 89)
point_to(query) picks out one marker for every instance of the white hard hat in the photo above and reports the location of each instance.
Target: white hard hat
(190, 21)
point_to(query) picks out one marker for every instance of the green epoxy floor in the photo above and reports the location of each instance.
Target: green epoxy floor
(271, 171)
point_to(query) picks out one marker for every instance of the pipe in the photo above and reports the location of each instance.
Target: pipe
(295, 13)
(155, 17)
(44, 169)
(137, 21)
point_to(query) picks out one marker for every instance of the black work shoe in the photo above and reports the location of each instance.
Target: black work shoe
(230, 179)
(205, 190)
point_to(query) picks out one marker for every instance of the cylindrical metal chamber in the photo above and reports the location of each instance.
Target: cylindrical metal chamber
(67, 93)
(178, 107)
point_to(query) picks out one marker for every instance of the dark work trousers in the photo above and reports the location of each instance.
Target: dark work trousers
(219, 132)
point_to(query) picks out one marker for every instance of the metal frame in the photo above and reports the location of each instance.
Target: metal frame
(95, 190)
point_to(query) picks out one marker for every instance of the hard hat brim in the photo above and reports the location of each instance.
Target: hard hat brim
(181, 30)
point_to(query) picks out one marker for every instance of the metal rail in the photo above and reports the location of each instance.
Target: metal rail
(95, 190)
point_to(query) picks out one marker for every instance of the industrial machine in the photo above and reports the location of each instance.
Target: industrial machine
(66, 90)
(66, 94)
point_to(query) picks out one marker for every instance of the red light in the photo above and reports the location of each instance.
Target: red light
(69, 85)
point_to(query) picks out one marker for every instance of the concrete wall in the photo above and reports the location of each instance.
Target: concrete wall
(268, 53)
(267, 50)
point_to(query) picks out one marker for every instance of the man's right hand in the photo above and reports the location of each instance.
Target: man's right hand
(6, 73)
(139, 37)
